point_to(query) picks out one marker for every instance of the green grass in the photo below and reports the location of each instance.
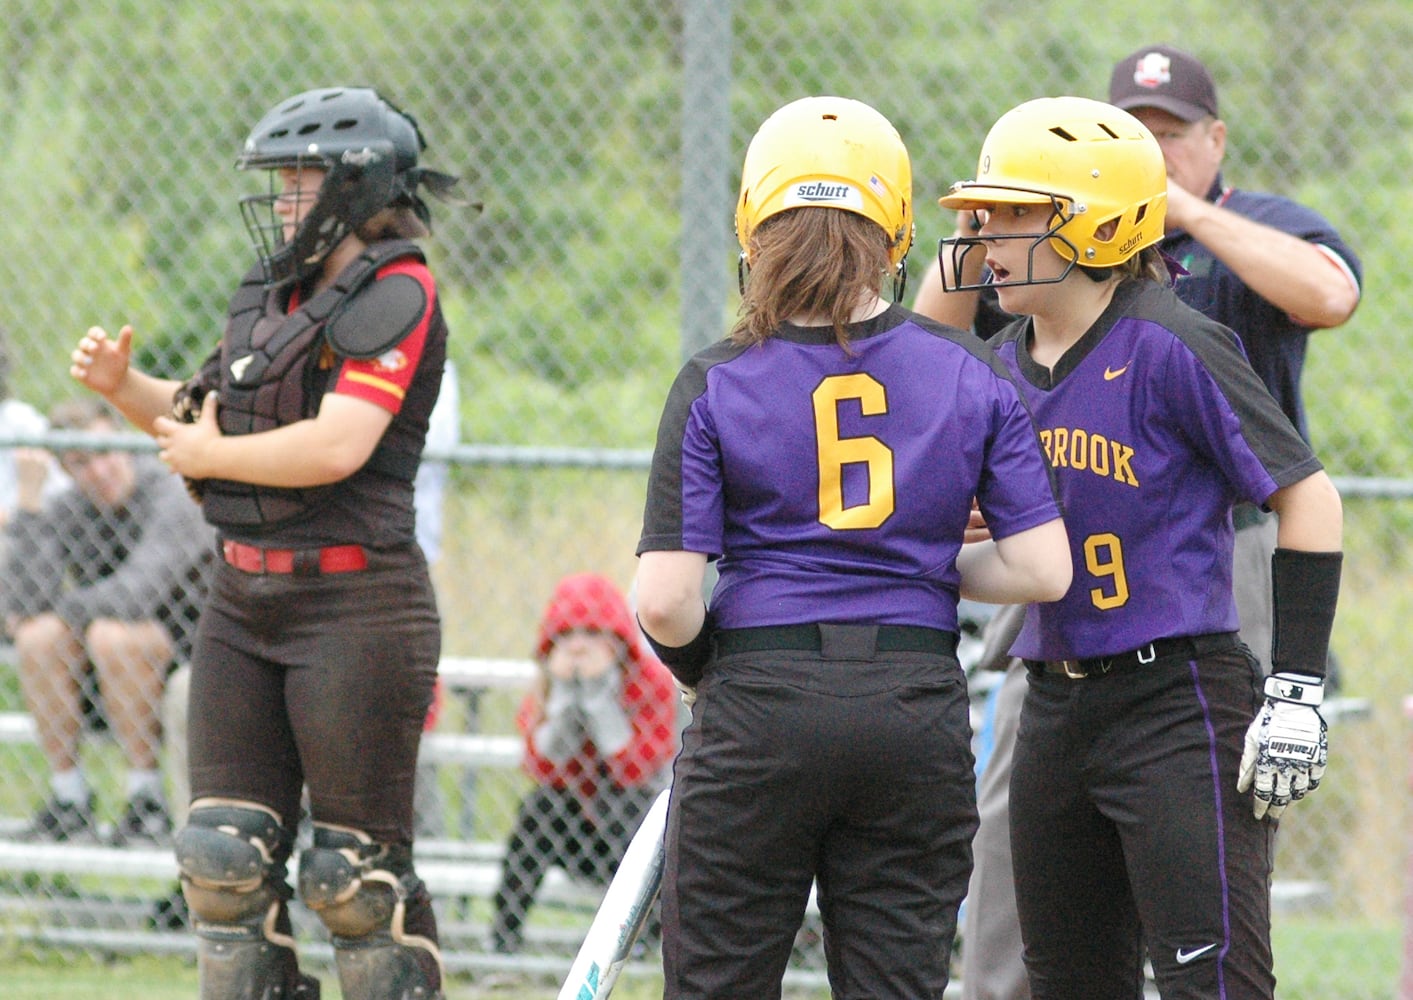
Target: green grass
(1330, 959)
(1317, 958)
(55, 977)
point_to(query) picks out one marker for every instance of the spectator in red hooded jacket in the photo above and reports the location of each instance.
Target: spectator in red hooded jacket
(600, 734)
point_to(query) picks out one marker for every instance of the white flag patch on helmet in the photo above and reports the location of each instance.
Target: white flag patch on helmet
(824, 193)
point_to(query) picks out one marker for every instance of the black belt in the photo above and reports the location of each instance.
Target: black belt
(1189, 647)
(890, 639)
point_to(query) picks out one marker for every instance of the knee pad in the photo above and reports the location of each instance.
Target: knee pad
(232, 857)
(361, 891)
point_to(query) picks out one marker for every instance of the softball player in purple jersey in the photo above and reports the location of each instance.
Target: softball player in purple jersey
(829, 452)
(1144, 724)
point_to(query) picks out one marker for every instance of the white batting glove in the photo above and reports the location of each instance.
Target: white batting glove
(1286, 748)
(689, 694)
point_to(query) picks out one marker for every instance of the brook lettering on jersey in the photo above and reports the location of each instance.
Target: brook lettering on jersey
(1076, 448)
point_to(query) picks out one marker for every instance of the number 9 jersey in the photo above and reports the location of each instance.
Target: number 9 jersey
(1154, 425)
(842, 479)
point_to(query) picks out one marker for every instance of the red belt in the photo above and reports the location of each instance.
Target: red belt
(300, 562)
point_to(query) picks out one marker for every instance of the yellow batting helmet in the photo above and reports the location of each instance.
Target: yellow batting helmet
(1093, 162)
(830, 152)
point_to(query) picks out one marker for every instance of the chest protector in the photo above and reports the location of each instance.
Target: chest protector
(271, 376)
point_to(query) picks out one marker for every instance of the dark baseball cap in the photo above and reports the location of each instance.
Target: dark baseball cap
(1159, 76)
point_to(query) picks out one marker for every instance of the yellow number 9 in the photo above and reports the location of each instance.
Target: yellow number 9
(835, 452)
(1104, 556)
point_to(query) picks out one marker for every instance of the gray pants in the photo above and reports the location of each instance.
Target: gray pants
(1251, 585)
(992, 968)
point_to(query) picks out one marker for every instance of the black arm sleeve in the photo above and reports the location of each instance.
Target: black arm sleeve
(1305, 589)
(688, 662)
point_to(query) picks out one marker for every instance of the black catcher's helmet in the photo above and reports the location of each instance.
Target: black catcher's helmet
(368, 149)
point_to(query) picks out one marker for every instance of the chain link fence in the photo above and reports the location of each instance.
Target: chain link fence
(604, 140)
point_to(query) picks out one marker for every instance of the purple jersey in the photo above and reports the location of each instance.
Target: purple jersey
(1154, 424)
(835, 486)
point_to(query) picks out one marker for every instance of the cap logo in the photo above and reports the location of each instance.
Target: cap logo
(823, 193)
(359, 158)
(1154, 70)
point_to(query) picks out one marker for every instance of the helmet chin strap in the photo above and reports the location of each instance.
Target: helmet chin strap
(900, 280)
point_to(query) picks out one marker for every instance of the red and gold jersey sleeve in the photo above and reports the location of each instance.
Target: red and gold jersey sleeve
(383, 380)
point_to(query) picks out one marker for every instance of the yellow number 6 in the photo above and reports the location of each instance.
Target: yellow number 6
(835, 452)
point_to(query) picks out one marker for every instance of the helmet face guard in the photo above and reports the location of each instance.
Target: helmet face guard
(960, 246)
(355, 189)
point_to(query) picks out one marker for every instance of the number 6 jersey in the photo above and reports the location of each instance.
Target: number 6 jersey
(838, 479)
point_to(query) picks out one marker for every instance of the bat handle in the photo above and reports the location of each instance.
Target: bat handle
(623, 911)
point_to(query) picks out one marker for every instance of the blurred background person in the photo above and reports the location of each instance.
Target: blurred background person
(106, 582)
(1272, 270)
(600, 728)
(20, 419)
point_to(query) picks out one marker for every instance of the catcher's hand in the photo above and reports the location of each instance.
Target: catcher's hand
(186, 407)
(1286, 746)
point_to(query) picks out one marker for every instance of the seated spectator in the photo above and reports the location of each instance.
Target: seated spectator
(105, 583)
(600, 728)
(18, 418)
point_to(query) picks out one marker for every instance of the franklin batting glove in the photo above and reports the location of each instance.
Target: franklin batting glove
(1286, 749)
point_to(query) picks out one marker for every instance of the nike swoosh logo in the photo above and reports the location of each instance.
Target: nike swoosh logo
(1184, 957)
(1111, 373)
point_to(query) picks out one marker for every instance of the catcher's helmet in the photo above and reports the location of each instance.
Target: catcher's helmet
(1091, 162)
(831, 152)
(368, 149)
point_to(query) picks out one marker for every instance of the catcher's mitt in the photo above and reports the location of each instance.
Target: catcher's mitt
(186, 407)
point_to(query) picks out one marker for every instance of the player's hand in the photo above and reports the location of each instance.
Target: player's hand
(1286, 747)
(976, 529)
(560, 735)
(100, 362)
(689, 694)
(32, 466)
(602, 700)
(186, 448)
